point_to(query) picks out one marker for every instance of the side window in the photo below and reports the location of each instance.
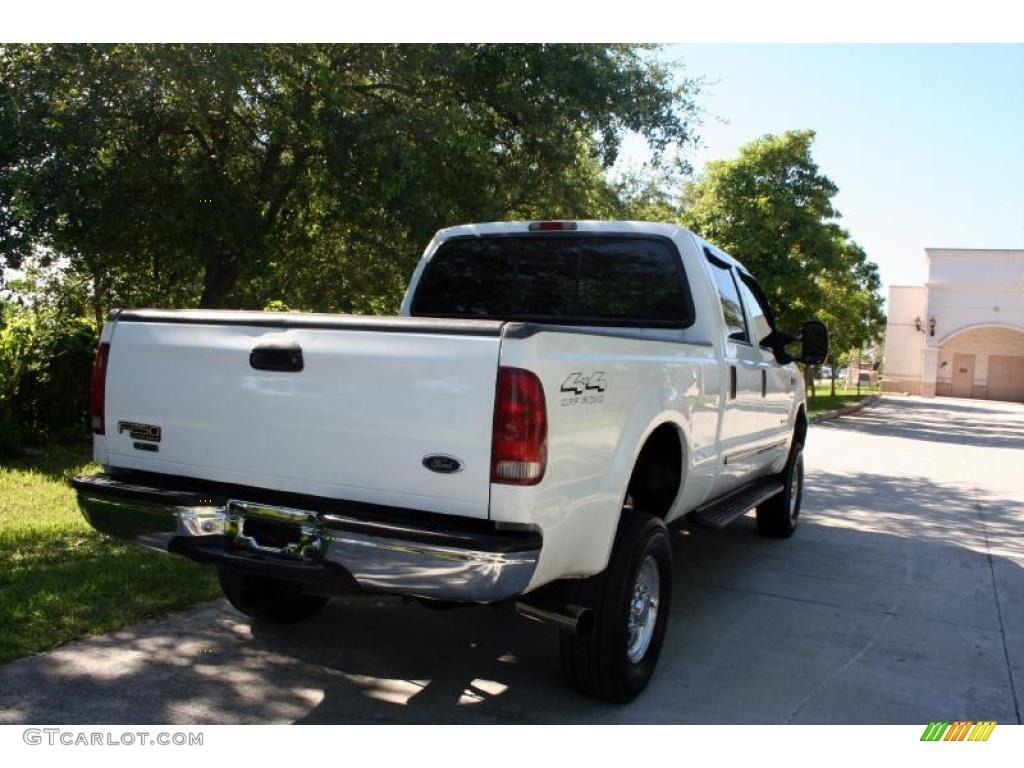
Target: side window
(728, 293)
(760, 314)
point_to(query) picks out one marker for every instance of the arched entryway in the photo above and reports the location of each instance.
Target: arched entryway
(984, 362)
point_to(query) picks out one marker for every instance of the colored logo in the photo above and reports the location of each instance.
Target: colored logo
(961, 730)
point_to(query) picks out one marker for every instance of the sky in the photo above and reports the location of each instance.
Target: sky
(925, 142)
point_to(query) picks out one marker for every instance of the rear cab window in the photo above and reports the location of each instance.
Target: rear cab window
(582, 279)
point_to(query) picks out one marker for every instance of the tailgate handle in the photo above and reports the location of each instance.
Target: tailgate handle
(276, 357)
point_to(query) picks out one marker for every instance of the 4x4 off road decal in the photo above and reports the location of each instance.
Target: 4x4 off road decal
(588, 388)
(578, 383)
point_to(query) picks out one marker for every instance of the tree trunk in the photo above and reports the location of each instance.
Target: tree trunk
(832, 373)
(221, 276)
(97, 301)
(809, 381)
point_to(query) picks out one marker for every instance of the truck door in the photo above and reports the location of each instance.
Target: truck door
(744, 371)
(778, 382)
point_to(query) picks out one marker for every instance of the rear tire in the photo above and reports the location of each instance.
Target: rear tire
(630, 600)
(279, 602)
(778, 516)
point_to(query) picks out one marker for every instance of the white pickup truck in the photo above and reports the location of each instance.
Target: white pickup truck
(551, 397)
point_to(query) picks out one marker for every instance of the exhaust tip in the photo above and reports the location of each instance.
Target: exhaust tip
(584, 621)
(574, 619)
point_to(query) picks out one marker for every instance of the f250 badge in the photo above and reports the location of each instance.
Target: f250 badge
(150, 432)
(586, 388)
(145, 437)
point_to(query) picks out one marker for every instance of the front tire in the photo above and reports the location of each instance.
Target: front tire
(271, 600)
(778, 516)
(630, 600)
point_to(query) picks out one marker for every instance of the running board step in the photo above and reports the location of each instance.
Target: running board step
(720, 512)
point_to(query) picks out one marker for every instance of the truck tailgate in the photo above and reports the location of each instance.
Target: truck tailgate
(374, 397)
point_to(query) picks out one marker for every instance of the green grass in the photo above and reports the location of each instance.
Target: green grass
(823, 401)
(59, 579)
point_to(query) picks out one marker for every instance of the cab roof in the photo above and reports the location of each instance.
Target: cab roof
(514, 227)
(661, 229)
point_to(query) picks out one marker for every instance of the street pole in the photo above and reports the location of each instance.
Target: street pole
(858, 371)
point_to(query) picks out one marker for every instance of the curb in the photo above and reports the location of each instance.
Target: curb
(867, 402)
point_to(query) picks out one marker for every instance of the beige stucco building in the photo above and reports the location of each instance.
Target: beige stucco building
(962, 333)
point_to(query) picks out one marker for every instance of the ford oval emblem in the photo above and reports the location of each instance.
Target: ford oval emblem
(439, 462)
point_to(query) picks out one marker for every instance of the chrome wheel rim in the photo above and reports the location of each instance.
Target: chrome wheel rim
(643, 609)
(794, 488)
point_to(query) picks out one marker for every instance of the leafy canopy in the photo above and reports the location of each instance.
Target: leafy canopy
(772, 208)
(233, 175)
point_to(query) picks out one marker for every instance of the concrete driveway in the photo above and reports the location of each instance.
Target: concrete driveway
(899, 600)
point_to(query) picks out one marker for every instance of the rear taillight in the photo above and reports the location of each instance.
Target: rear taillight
(97, 399)
(519, 452)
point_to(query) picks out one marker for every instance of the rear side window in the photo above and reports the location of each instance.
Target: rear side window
(760, 316)
(557, 278)
(728, 293)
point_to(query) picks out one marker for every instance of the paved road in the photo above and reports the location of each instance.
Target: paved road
(900, 600)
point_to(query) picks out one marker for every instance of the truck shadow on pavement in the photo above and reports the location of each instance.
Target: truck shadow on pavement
(881, 609)
(880, 615)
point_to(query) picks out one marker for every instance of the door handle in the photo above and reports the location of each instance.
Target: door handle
(764, 383)
(732, 382)
(286, 358)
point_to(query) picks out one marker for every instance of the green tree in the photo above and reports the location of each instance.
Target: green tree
(234, 175)
(772, 208)
(651, 194)
(852, 308)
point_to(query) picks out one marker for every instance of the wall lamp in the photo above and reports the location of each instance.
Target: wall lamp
(919, 326)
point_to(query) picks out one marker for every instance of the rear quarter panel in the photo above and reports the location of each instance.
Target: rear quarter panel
(594, 437)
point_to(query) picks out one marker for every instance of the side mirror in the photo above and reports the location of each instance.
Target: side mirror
(777, 341)
(813, 343)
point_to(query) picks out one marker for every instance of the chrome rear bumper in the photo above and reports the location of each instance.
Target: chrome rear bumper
(328, 547)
